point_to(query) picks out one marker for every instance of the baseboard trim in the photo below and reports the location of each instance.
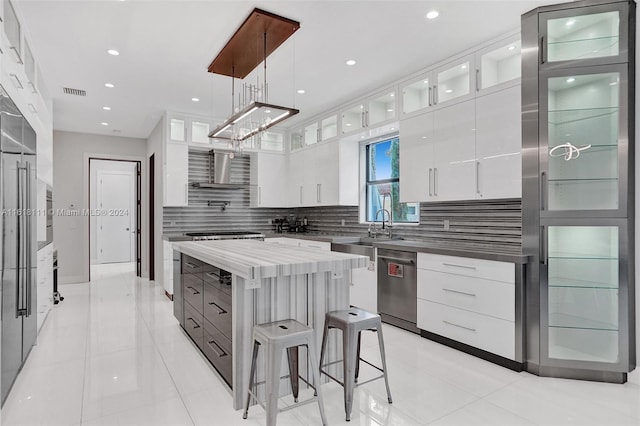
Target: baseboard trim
(472, 350)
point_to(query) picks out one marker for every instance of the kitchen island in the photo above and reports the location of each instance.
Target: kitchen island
(223, 288)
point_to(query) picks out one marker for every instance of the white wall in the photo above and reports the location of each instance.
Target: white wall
(71, 153)
(155, 144)
(98, 166)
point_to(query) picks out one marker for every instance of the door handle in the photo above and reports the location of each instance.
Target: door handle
(18, 243)
(397, 260)
(435, 181)
(216, 349)
(215, 305)
(478, 178)
(28, 234)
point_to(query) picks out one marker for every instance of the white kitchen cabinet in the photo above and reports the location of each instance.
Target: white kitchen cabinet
(325, 174)
(416, 94)
(320, 130)
(454, 165)
(176, 177)
(363, 291)
(468, 300)
(167, 273)
(267, 171)
(371, 112)
(498, 66)
(416, 158)
(499, 144)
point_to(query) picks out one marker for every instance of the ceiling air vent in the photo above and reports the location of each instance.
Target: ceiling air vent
(77, 92)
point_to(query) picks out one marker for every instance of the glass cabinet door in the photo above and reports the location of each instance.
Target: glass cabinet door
(416, 95)
(453, 81)
(353, 119)
(271, 141)
(595, 35)
(329, 128)
(177, 130)
(297, 139)
(382, 108)
(199, 132)
(311, 135)
(583, 281)
(582, 163)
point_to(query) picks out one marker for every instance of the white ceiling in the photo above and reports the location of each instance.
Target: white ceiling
(166, 46)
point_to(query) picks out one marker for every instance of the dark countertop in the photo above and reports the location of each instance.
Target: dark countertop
(477, 251)
(327, 238)
(175, 236)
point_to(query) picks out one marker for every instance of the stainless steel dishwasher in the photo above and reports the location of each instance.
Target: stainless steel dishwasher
(397, 288)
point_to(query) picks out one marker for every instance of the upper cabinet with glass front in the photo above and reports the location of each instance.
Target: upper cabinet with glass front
(591, 35)
(324, 129)
(498, 66)
(371, 112)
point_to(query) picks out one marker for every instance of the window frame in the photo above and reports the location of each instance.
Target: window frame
(364, 180)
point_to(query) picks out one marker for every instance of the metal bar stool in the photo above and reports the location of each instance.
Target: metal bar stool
(276, 337)
(352, 322)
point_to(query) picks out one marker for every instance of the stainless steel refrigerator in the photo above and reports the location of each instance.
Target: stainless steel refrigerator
(18, 244)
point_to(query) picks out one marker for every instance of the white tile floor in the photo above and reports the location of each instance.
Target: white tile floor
(112, 354)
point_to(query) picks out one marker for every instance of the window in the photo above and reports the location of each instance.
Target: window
(383, 184)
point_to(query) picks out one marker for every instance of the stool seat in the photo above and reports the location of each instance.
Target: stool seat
(281, 330)
(277, 338)
(352, 322)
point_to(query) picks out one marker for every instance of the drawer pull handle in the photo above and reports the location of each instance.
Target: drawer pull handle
(458, 292)
(217, 349)
(194, 290)
(397, 260)
(459, 326)
(458, 266)
(213, 276)
(222, 311)
(191, 265)
(194, 321)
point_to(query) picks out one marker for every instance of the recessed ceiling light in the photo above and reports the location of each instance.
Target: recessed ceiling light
(106, 108)
(301, 91)
(448, 91)
(392, 94)
(426, 82)
(113, 52)
(511, 47)
(571, 80)
(348, 124)
(351, 62)
(109, 85)
(424, 137)
(464, 67)
(195, 99)
(104, 124)
(393, 128)
(433, 14)
(389, 110)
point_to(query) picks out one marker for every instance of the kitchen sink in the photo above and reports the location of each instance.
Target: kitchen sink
(363, 249)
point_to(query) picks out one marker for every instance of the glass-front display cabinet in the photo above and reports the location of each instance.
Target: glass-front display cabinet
(578, 185)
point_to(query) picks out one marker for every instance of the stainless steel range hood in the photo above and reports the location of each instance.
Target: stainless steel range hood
(219, 172)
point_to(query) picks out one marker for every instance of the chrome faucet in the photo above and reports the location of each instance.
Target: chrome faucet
(388, 228)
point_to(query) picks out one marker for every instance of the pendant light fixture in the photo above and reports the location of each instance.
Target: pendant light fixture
(258, 36)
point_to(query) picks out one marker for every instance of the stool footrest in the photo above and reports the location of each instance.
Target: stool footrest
(374, 366)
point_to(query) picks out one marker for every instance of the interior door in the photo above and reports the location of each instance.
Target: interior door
(116, 227)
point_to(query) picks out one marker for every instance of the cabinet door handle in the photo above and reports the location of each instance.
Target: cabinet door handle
(216, 349)
(544, 250)
(543, 52)
(430, 90)
(435, 94)
(362, 119)
(191, 265)
(477, 80)
(543, 190)
(300, 194)
(16, 81)
(459, 326)
(478, 178)
(17, 53)
(259, 196)
(317, 135)
(215, 305)
(458, 266)
(213, 276)
(435, 181)
(194, 290)
(448, 290)
(366, 115)
(194, 321)
(397, 260)
(186, 194)
(319, 192)
(430, 171)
